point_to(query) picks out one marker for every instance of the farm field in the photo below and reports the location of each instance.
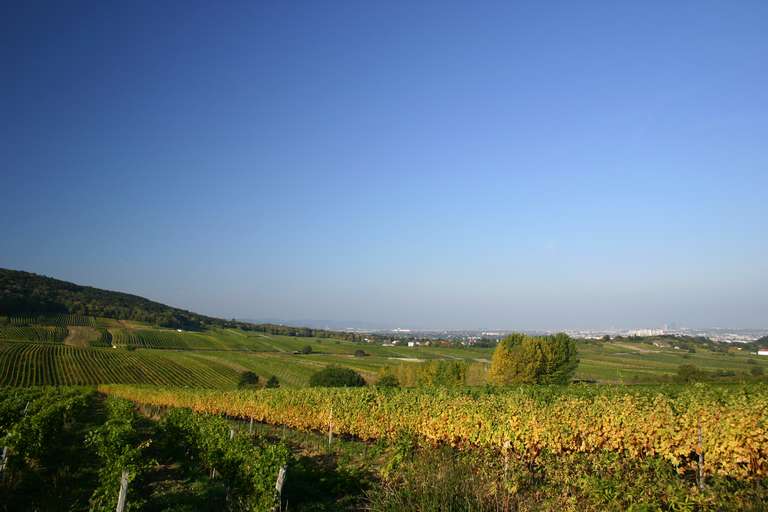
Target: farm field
(95, 351)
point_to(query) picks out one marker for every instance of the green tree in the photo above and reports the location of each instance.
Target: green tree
(442, 373)
(523, 359)
(272, 382)
(307, 349)
(248, 380)
(336, 377)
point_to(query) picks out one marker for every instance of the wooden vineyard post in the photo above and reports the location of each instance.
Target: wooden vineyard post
(700, 472)
(330, 428)
(250, 427)
(123, 491)
(3, 462)
(279, 487)
(231, 434)
(4, 459)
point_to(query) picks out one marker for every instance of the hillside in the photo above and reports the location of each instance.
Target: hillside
(27, 294)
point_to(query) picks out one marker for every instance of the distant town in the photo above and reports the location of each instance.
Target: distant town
(399, 335)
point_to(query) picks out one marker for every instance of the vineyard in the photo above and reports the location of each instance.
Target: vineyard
(56, 320)
(32, 364)
(165, 339)
(524, 422)
(82, 449)
(37, 333)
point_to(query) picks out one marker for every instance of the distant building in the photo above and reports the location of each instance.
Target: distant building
(762, 352)
(411, 343)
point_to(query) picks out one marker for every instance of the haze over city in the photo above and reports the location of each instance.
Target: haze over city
(423, 166)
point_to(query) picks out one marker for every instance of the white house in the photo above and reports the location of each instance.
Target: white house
(762, 352)
(411, 343)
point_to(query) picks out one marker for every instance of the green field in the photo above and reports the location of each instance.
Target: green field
(101, 351)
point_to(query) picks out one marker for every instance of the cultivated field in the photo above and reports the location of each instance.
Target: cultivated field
(70, 349)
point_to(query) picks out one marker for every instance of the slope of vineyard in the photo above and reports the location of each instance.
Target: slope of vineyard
(31, 364)
(642, 421)
(216, 339)
(36, 333)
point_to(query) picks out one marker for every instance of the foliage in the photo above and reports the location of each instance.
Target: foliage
(35, 431)
(336, 377)
(119, 448)
(41, 428)
(248, 467)
(307, 349)
(272, 382)
(524, 421)
(523, 359)
(432, 373)
(248, 379)
(388, 380)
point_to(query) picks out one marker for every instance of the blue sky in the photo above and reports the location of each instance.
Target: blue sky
(455, 165)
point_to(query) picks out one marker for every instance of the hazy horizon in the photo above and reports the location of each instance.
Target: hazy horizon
(447, 166)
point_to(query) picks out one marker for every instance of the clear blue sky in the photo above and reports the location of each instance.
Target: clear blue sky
(458, 165)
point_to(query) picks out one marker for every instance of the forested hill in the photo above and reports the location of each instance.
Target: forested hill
(25, 293)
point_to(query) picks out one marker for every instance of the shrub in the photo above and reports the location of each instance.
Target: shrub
(689, 373)
(272, 382)
(360, 353)
(336, 377)
(307, 349)
(388, 381)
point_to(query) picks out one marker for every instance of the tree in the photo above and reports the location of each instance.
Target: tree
(360, 353)
(442, 373)
(388, 381)
(307, 349)
(336, 377)
(272, 382)
(523, 359)
(248, 380)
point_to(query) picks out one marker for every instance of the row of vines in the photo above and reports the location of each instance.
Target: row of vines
(37, 364)
(56, 320)
(67, 440)
(52, 334)
(523, 422)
